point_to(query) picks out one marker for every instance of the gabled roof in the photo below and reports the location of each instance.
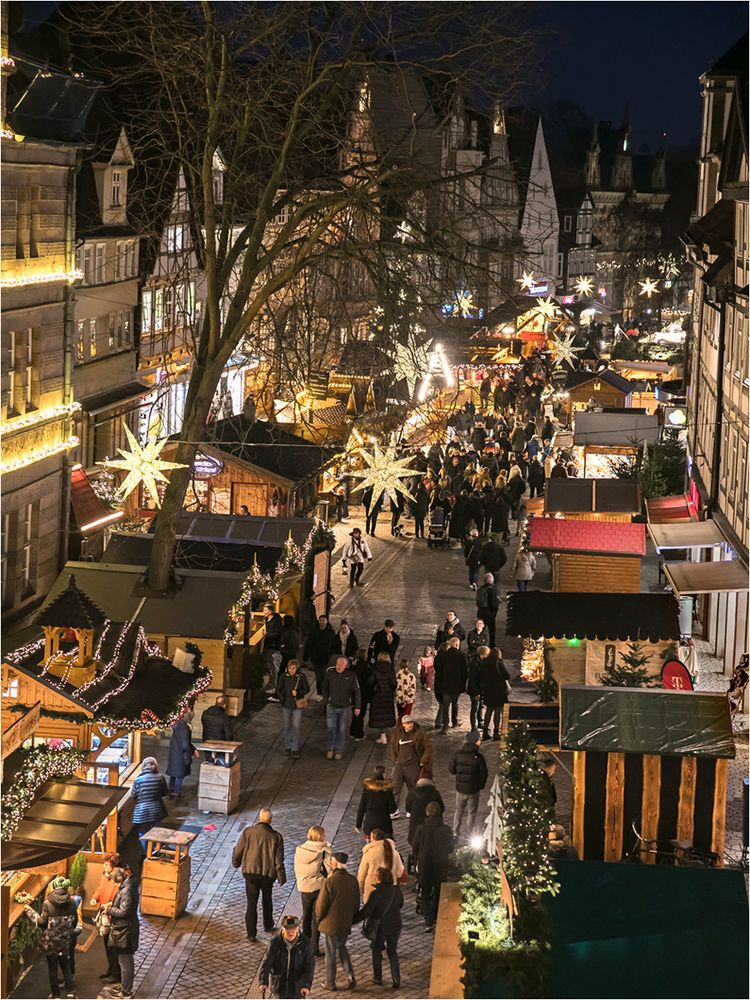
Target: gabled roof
(579, 378)
(582, 496)
(268, 447)
(522, 125)
(539, 614)
(733, 62)
(552, 534)
(72, 609)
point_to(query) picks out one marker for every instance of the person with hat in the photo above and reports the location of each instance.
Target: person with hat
(419, 798)
(560, 846)
(337, 906)
(288, 965)
(411, 750)
(58, 921)
(470, 768)
(433, 844)
(356, 552)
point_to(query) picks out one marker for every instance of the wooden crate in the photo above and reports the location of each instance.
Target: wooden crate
(219, 788)
(165, 887)
(235, 701)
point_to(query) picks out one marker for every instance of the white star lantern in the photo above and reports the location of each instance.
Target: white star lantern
(464, 303)
(564, 350)
(143, 465)
(649, 286)
(526, 281)
(547, 307)
(584, 287)
(384, 473)
(410, 362)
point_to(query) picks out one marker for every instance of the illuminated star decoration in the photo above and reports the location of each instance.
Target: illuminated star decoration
(410, 362)
(649, 286)
(384, 473)
(143, 465)
(527, 280)
(584, 286)
(464, 303)
(547, 308)
(564, 350)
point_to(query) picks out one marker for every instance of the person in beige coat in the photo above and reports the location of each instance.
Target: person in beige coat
(379, 853)
(312, 864)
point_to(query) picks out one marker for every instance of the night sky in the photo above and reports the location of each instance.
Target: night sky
(650, 55)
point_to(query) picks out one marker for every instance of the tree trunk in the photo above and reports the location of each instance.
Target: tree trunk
(197, 405)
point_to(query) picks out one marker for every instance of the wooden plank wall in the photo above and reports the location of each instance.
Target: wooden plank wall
(596, 574)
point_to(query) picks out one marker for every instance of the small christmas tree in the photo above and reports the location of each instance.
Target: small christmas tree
(493, 825)
(547, 688)
(632, 672)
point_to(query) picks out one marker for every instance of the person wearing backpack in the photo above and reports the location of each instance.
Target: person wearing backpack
(488, 605)
(58, 921)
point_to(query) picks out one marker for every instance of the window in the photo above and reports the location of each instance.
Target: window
(146, 312)
(101, 263)
(5, 561)
(120, 263)
(158, 314)
(23, 221)
(11, 392)
(88, 274)
(130, 259)
(29, 367)
(175, 239)
(35, 221)
(92, 338)
(126, 327)
(111, 321)
(559, 264)
(169, 307)
(116, 181)
(27, 555)
(567, 223)
(80, 340)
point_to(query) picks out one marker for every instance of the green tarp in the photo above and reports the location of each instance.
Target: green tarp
(642, 720)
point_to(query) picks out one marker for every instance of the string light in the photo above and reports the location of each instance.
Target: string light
(648, 287)
(37, 454)
(532, 660)
(40, 765)
(42, 278)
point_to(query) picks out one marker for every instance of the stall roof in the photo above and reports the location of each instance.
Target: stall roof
(70, 607)
(617, 430)
(686, 535)
(580, 378)
(89, 511)
(60, 822)
(554, 534)
(721, 577)
(668, 510)
(541, 614)
(645, 721)
(584, 496)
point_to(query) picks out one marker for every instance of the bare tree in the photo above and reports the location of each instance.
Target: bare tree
(328, 118)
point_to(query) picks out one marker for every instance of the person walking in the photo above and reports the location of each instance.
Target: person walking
(382, 710)
(385, 640)
(363, 671)
(58, 921)
(274, 629)
(124, 931)
(181, 754)
(451, 627)
(418, 799)
(488, 605)
(406, 689)
(372, 510)
(420, 506)
(477, 637)
(494, 683)
(292, 691)
(312, 865)
(104, 893)
(376, 804)
(536, 476)
(216, 725)
(148, 791)
(289, 641)
(288, 966)
(337, 906)
(524, 567)
(356, 552)
(345, 642)
(411, 750)
(433, 845)
(318, 650)
(260, 853)
(451, 670)
(341, 695)
(474, 687)
(473, 556)
(427, 668)
(470, 768)
(379, 852)
(381, 924)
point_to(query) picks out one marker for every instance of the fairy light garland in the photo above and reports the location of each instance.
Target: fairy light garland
(40, 765)
(532, 660)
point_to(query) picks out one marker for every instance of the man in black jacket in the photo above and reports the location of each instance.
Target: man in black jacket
(274, 626)
(288, 965)
(385, 640)
(260, 854)
(488, 605)
(433, 844)
(216, 726)
(318, 650)
(418, 799)
(341, 694)
(451, 672)
(470, 769)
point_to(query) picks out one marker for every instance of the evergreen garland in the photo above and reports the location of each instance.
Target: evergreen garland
(39, 765)
(547, 688)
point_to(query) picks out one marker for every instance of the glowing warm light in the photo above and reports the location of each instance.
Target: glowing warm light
(46, 451)
(532, 660)
(527, 280)
(410, 361)
(41, 278)
(584, 286)
(38, 417)
(101, 521)
(384, 473)
(564, 350)
(438, 365)
(547, 307)
(476, 843)
(7, 62)
(143, 465)
(649, 286)
(464, 303)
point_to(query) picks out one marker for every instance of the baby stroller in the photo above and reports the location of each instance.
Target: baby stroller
(437, 532)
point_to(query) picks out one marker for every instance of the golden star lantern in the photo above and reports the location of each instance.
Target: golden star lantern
(649, 286)
(143, 465)
(584, 286)
(547, 307)
(410, 362)
(384, 473)
(465, 303)
(564, 350)
(527, 280)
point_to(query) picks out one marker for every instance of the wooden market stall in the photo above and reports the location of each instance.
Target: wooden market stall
(581, 634)
(613, 434)
(593, 499)
(607, 387)
(653, 759)
(588, 555)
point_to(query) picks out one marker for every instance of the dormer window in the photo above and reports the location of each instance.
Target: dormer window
(116, 184)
